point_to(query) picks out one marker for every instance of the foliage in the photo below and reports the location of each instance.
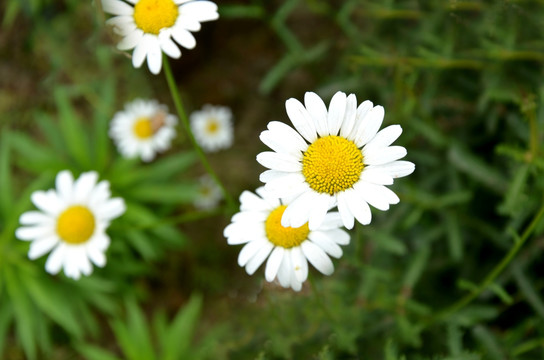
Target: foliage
(452, 272)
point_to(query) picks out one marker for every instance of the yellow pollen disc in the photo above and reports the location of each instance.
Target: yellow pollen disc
(153, 15)
(212, 126)
(142, 128)
(332, 164)
(75, 225)
(286, 237)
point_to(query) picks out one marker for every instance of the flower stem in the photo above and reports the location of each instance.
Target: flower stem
(519, 241)
(185, 120)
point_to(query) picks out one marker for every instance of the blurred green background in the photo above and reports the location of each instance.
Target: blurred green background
(455, 271)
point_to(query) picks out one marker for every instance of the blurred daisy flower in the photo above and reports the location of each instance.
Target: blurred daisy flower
(334, 158)
(71, 223)
(208, 194)
(150, 27)
(212, 127)
(143, 129)
(258, 225)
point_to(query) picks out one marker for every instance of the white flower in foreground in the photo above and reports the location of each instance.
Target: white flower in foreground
(209, 193)
(258, 225)
(72, 222)
(334, 158)
(143, 129)
(212, 127)
(150, 27)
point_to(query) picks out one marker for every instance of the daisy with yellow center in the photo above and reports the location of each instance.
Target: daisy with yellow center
(144, 128)
(335, 157)
(258, 226)
(212, 127)
(152, 27)
(209, 194)
(71, 223)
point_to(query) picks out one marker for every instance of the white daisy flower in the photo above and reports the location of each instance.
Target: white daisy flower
(212, 127)
(150, 27)
(209, 194)
(258, 225)
(143, 129)
(334, 158)
(71, 223)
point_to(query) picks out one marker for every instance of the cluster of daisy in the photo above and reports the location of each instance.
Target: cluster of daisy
(322, 175)
(333, 158)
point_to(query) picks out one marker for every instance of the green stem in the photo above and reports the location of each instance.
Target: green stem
(447, 312)
(185, 120)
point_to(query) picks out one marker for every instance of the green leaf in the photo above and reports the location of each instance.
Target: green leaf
(389, 243)
(91, 352)
(527, 289)
(489, 341)
(138, 329)
(6, 317)
(455, 239)
(181, 193)
(143, 244)
(72, 129)
(514, 197)
(416, 267)
(24, 312)
(6, 190)
(50, 129)
(501, 293)
(180, 334)
(54, 303)
(102, 116)
(37, 158)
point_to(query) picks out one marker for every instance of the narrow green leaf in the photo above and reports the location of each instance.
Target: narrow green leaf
(527, 289)
(138, 329)
(181, 193)
(389, 243)
(6, 190)
(514, 196)
(91, 352)
(36, 158)
(416, 267)
(143, 244)
(50, 129)
(180, 334)
(455, 340)
(489, 342)
(101, 143)
(72, 129)
(455, 239)
(501, 293)
(474, 167)
(6, 318)
(25, 316)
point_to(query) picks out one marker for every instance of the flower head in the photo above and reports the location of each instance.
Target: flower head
(209, 193)
(143, 129)
(258, 225)
(212, 127)
(71, 223)
(150, 27)
(334, 158)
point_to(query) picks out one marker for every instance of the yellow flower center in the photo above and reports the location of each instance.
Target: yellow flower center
(142, 128)
(212, 126)
(332, 164)
(286, 237)
(153, 15)
(75, 225)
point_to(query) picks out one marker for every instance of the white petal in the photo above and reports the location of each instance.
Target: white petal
(395, 169)
(131, 40)
(358, 207)
(324, 241)
(317, 257)
(297, 212)
(117, 7)
(36, 218)
(200, 10)
(376, 195)
(83, 186)
(273, 263)
(249, 250)
(64, 183)
(285, 271)
(385, 137)
(299, 263)
(301, 119)
(318, 111)
(34, 232)
(140, 52)
(42, 246)
(154, 56)
(333, 220)
(349, 116)
(290, 184)
(383, 156)
(259, 258)
(376, 176)
(250, 201)
(112, 209)
(337, 109)
(48, 202)
(282, 138)
(319, 210)
(97, 257)
(370, 125)
(55, 260)
(279, 161)
(343, 208)
(184, 38)
(339, 236)
(169, 47)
